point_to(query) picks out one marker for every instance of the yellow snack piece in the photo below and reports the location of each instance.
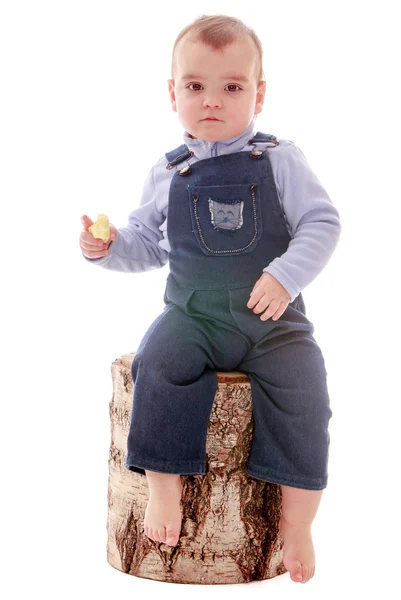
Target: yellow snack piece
(101, 228)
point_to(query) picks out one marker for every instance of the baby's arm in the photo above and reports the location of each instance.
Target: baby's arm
(313, 220)
(136, 247)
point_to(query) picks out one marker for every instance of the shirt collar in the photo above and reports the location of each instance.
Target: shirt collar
(203, 149)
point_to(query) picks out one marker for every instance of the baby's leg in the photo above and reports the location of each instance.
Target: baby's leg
(299, 508)
(175, 381)
(163, 515)
(290, 439)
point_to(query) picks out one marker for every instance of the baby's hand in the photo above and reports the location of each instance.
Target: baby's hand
(92, 247)
(269, 293)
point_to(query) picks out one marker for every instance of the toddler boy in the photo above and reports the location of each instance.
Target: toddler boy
(245, 225)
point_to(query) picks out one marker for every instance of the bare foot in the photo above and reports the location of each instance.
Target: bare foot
(163, 515)
(298, 552)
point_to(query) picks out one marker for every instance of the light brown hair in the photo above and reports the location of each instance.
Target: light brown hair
(219, 31)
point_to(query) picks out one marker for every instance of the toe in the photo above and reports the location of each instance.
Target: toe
(156, 535)
(294, 568)
(310, 573)
(162, 534)
(305, 574)
(296, 571)
(171, 536)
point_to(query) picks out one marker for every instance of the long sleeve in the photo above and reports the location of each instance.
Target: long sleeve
(312, 219)
(137, 248)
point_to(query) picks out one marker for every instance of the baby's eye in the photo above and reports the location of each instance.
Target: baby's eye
(189, 86)
(231, 85)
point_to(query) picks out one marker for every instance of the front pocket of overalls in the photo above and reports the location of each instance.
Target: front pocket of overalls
(226, 219)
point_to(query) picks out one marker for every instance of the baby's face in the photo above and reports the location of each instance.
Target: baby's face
(216, 83)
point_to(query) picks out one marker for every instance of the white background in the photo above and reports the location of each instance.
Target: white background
(84, 115)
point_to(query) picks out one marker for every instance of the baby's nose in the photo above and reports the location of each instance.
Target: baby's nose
(212, 102)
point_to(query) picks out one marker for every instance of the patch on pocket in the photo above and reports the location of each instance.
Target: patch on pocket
(226, 215)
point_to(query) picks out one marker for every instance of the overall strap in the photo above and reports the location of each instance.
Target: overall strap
(177, 155)
(182, 152)
(263, 137)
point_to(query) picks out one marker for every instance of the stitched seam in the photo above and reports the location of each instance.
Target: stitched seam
(170, 462)
(277, 475)
(195, 199)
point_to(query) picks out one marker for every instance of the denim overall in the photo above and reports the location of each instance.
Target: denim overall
(225, 224)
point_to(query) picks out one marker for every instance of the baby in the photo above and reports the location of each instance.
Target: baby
(245, 225)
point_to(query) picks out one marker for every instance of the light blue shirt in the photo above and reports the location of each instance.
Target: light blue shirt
(312, 221)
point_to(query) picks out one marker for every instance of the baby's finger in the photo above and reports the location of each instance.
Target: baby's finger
(272, 308)
(95, 253)
(280, 311)
(88, 239)
(86, 221)
(253, 299)
(258, 299)
(87, 248)
(261, 305)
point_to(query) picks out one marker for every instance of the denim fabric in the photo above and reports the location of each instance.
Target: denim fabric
(225, 224)
(207, 255)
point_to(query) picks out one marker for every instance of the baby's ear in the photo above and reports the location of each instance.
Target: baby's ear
(260, 96)
(171, 92)
(262, 87)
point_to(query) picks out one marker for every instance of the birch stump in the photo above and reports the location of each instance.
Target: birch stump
(230, 522)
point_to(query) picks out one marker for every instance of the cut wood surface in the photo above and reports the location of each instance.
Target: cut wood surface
(229, 530)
